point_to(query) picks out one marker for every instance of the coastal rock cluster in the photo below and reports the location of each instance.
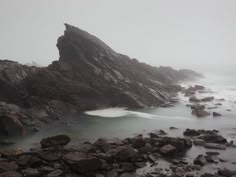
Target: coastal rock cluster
(199, 105)
(88, 75)
(115, 157)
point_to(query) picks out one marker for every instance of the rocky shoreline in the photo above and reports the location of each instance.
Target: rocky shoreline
(137, 156)
(89, 75)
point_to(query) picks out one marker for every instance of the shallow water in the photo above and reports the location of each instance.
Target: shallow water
(121, 122)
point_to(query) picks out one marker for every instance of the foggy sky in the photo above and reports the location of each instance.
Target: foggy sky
(177, 33)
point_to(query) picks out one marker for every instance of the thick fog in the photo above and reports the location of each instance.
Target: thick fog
(198, 34)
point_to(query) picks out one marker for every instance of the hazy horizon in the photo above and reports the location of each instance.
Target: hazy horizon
(181, 34)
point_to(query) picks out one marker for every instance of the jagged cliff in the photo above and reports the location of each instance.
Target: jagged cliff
(88, 75)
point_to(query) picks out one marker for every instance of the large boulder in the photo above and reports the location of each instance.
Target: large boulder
(194, 99)
(106, 144)
(200, 113)
(181, 144)
(191, 132)
(14, 121)
(81, 163)
(138, 142)
(216, 114)
(125, 153)
(213, 138)
(55, 141)
(197, 107)
(226, 172)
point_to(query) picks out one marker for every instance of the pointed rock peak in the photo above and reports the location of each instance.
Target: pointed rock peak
(78, 44)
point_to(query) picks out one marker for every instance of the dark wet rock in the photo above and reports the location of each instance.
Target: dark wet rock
(15, 121)
(198, 142)
(191, 90)
(189, 175)
(138, 142)
(212, 159)
(191, 132)
(85, 148)
(216, 114)
(181, 144)
(55, 173)
(167, 150)
(125, 154)
(173, 128)
(46, 169)
(200, 160)
(208, 132)
(8, 166)
(152, 158)
(208, 175)
(31, 172)
(215, 146)
(127, 166)
(54, 141)
(226, 172)
(213, 138)
(197, 107)
(229, 110)
(50, 156)
(153, 135)
(106, 144)
(82, 163)
(207, 99)
(194, 99)
(212, 107)
(112, 173)
(161, 132)
(146, 149)
(29, 160)
(200, 113)
(199, 87)
(212, 153)
(10, 174)
(218, 104)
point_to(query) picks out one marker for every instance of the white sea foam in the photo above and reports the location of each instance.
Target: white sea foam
(122, 112)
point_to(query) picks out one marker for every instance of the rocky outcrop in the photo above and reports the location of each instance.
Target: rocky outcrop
(89, 75)
(104, 157)
(119, 158)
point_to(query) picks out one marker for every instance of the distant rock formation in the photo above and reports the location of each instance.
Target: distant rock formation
(89, 75)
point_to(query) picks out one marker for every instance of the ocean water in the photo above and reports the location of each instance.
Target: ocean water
(122, 122)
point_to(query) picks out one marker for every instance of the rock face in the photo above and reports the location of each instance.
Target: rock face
(88, 75)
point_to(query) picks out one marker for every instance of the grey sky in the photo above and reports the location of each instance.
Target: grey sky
(178, 33)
